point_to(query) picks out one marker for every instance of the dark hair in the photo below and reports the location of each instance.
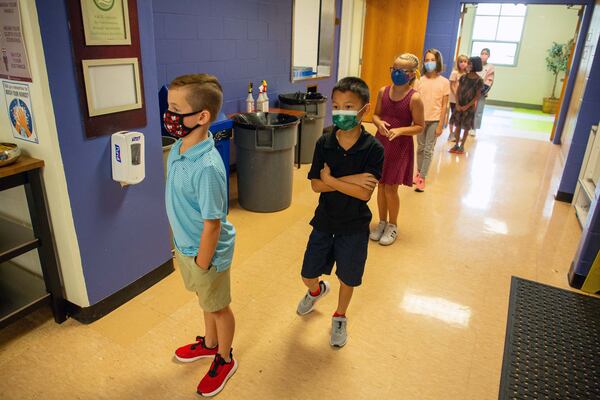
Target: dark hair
(486, 50)
(204, 92)
(476, 63)
(354, 85)
(439, 61)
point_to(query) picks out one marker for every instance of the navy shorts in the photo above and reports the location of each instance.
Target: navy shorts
(347, 252)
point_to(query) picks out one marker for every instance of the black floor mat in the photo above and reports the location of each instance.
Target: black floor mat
(552, 345)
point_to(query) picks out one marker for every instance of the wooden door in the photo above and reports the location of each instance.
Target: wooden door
(392, 27)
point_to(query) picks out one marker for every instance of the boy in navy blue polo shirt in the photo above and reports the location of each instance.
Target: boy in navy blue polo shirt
(196, 200)
(346, 168)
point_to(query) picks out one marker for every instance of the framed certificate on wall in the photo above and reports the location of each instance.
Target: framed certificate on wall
(112, 85)
(105, 22)
(108, 60)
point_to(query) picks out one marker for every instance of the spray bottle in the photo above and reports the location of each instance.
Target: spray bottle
(250, 100)
(259, 99)
(265, 107)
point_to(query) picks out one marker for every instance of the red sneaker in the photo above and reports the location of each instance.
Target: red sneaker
(195, 351)
(217, 376)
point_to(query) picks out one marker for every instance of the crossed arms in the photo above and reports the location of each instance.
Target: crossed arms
(360, 186)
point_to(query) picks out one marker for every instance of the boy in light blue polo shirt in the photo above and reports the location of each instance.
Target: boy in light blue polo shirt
(196, 201)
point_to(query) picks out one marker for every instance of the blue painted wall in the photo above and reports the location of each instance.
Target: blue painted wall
(237, 41)
(122, 233)
(442, 30)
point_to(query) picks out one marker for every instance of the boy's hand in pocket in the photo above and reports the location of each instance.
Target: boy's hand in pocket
(199, 266)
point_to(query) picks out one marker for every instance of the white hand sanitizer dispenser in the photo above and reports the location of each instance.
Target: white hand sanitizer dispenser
(128, 166)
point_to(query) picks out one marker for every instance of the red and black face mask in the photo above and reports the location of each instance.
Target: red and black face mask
(173, 123)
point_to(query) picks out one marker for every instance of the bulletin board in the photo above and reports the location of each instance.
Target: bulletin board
(106, 47)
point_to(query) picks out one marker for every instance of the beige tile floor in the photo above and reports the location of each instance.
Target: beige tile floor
(428, 323)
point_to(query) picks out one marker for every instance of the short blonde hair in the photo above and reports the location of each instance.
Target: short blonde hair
(204, 92)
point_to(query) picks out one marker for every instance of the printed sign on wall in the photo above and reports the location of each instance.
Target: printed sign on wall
(14, 64)
(18, 104)
(105, 22)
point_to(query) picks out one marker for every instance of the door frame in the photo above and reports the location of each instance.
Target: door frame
(565, 78)
(348, 45)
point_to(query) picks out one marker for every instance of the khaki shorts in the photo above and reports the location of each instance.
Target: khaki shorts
(213, 288)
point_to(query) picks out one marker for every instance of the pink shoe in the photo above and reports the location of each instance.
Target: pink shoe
(416, 178)
(420, 185)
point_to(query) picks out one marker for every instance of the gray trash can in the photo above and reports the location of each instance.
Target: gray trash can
(315, 106)
(265, 159)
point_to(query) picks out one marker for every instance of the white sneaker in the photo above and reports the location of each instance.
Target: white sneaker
(378, 232)
(389, 235)
(472, 133)
(307, 304)
(339, 335)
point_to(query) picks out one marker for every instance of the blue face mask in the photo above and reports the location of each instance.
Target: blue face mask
(430, 66)
(399, 77)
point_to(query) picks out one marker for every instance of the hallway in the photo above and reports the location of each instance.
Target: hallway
(517, 122)
(428, 322)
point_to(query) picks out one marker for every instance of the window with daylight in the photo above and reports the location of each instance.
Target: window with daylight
(499, 27)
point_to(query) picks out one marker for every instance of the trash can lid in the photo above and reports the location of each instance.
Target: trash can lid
(302, 98)
(221, 125)
(167, 142)
(264, 120)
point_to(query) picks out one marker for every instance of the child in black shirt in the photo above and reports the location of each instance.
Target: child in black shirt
(346, 168)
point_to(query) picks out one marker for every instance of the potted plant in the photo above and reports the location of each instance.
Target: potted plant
(556, 62)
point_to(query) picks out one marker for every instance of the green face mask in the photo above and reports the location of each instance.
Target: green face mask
(345, 120)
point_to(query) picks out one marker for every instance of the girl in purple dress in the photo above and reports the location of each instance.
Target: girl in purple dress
(398, 117)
